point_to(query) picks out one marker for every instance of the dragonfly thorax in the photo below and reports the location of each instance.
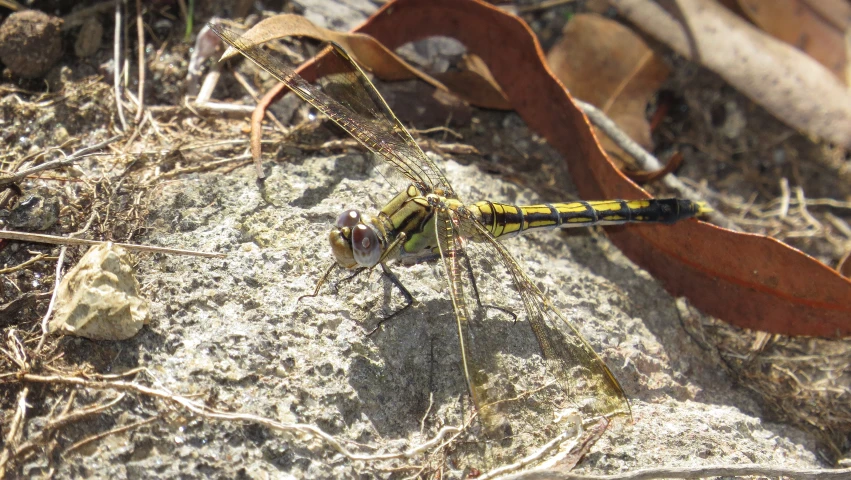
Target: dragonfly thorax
(356, 240)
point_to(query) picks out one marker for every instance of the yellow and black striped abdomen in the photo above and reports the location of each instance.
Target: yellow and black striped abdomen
(503, 219)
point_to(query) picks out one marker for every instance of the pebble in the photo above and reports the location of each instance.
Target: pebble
(30, 43)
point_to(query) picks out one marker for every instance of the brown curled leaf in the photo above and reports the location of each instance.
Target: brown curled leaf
(476, 84)
(372, 56)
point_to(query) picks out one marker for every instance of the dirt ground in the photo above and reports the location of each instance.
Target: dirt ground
(234, 376)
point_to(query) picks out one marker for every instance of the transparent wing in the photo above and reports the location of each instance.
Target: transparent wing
(348, 98)
(570, 359)
(477, 361)
(502, 391)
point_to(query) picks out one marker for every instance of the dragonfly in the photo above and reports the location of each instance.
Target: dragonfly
(428, 221)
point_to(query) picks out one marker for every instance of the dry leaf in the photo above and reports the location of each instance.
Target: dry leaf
(604, 63)
(475, 83)
(372, 56)
(816, 28)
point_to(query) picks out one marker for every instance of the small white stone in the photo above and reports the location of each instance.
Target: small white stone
(99, 298)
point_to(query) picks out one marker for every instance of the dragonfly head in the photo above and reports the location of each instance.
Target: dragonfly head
(355, 241)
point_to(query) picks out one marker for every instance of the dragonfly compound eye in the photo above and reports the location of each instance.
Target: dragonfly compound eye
(349, 218)
(365, 246)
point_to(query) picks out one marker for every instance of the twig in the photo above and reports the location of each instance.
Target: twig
(57, 278)
(44, 321)
(103, 435)
(242, 160)
(113, 376)
(21, 266)
(16, 353)
(140, 29)
(68, 404)
(645, 159)
(581, 446)
(241, 80)
(205, 411)
(40, 154)
(205, 93)
(218, 107)
(444, 130)
(15, 430)
(445, 431)
(817, 202)
(351, 143)
(116, 63)
(65, 419)
(532, 457)
(213, 144)
(746, 470)
(67, 161)
(784, 197)
(839, 224)
(56, 240)
(802, 208)
(428, 410)
(12, 5)
(155, 126)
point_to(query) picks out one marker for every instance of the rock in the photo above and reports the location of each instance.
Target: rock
(30, 43)
(89, 39)
(37, 210)
(99, 298)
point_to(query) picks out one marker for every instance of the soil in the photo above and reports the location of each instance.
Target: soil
(236, 371)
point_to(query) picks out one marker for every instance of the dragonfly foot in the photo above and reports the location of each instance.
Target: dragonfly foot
(336, 285)
(503, 310)
(389, 317)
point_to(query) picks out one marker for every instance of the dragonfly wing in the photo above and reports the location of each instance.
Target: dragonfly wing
(477, 360)
(589, 383)
(348, 98)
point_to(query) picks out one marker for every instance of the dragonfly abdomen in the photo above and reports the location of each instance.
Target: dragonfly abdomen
(503, 219)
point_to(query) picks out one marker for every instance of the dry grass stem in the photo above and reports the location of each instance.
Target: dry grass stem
(67, 161)
(115, 431)
(55, 240)
(116, 62)
(46, 319)
(205, 411)
(248, 88)
(533, 457)
(140, 47)
(747, 470)
(37, 258)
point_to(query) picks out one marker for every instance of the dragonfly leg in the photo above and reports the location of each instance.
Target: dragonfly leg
(476, 292)
(336, 285)
(390, 250)
(418, 259)
(319, 284)
(504, 310)
(409, 299)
